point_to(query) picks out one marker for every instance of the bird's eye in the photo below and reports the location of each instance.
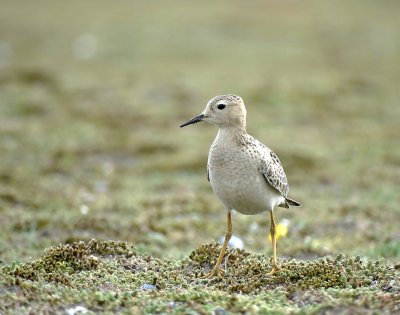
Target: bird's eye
(221, 106)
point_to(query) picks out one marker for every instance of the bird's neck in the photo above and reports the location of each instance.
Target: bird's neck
(231, 133)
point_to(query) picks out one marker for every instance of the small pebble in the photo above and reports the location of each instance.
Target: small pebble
(84, 209)
(220, 311)
(148, 287)
(171, 305)
(77, 310)
(234, 242)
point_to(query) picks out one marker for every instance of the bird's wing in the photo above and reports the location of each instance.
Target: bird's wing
(272, 169)
(208, 172)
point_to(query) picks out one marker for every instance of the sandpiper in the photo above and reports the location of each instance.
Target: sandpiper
(246, 175)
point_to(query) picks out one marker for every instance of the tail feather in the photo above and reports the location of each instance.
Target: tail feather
(292, 202)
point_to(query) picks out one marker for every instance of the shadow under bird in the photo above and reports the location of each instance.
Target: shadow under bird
(245, 174)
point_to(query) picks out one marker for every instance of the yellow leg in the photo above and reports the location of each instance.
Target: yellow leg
(217, 268)
(272, 230)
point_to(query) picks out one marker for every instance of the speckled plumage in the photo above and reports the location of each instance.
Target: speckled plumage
(245, 174)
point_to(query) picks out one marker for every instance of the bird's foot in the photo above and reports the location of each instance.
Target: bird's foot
(275, 268)
(216, 272)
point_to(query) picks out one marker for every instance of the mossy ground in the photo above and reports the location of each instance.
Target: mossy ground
(111, 276)
(91, 149)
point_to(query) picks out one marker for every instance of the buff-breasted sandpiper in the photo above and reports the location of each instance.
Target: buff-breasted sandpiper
(245, 174)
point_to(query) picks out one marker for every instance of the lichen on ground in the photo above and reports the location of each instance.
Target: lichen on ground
(114, 276)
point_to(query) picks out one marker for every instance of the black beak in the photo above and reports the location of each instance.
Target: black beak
(193, 120)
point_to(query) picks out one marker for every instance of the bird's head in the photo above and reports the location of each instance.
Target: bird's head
(224, 111)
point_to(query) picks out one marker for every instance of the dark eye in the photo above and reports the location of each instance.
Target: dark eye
(221, 106)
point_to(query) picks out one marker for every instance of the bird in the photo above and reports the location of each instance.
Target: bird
(244, 174)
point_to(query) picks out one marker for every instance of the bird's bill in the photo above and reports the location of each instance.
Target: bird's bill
(193, 120)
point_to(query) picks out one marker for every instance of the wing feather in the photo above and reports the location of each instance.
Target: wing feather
(272, 170)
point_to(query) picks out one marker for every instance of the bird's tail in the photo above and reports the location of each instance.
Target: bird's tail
(292, 202)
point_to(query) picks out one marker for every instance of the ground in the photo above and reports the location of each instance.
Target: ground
(91, 99)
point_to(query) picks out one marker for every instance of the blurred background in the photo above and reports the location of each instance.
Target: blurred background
(92, 94)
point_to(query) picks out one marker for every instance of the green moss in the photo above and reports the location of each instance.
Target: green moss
(110, 275)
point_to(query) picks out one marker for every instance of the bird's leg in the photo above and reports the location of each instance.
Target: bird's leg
(217, 268)
(272, 230)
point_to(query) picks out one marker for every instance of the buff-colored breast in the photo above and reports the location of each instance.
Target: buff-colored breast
(235, 176)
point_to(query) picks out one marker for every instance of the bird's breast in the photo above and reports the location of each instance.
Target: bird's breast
(237, 181)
